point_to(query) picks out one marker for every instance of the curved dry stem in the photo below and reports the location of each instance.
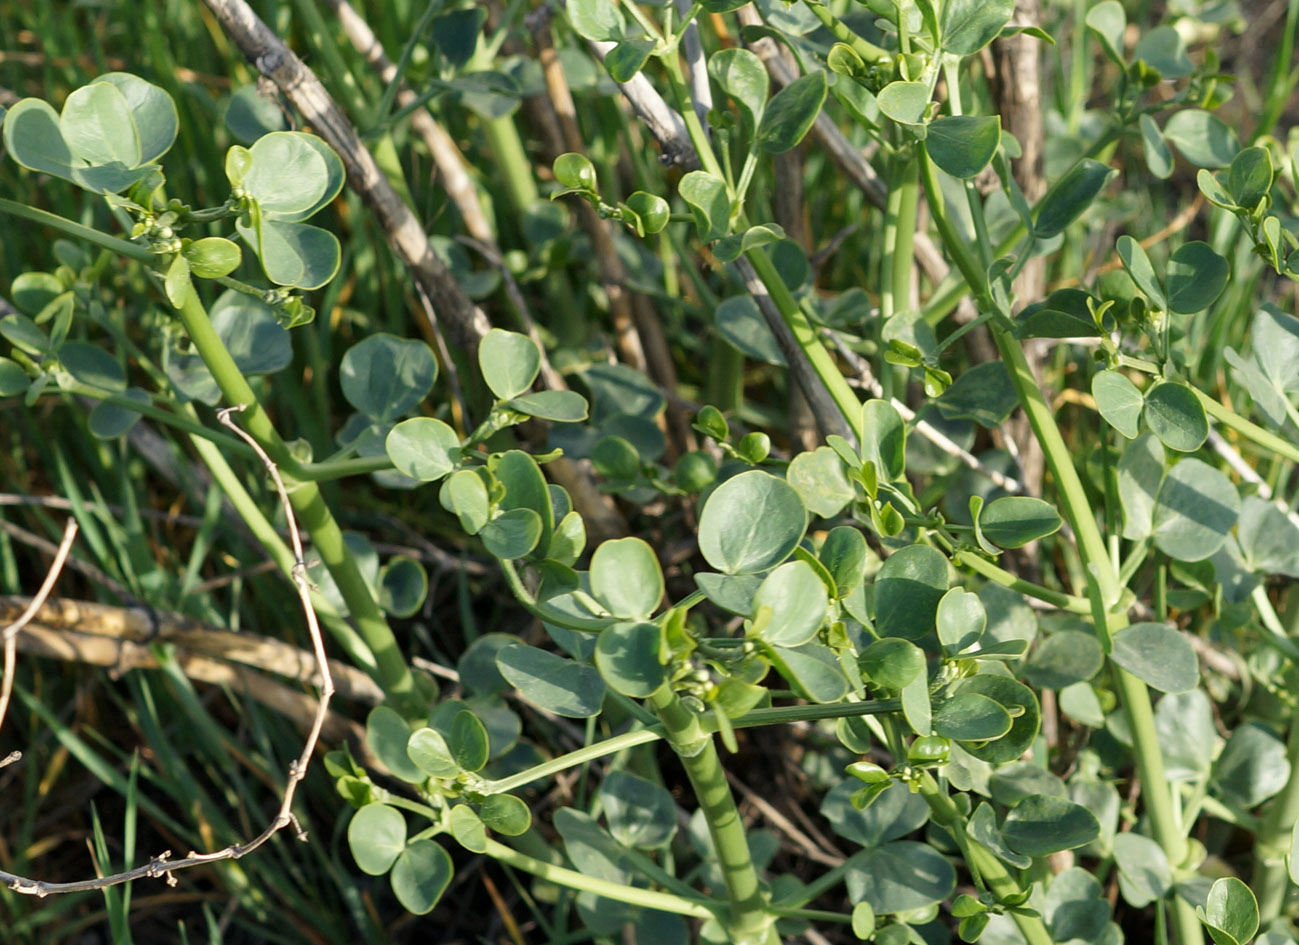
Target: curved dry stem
(11, 632)
(162, 865)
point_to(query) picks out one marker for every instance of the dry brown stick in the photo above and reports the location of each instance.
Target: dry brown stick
(162, 865)
(122, 637)
(11, 632)
(119, 655)
(455, 177)
(465, 321)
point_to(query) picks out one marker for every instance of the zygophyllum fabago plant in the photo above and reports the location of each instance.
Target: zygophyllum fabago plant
(909, 604)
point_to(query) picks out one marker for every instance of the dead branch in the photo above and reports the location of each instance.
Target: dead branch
(162, 865)
(11, 632)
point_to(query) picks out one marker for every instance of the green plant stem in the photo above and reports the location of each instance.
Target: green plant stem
(1270, 878)
(694, 127)
(755, 719)
(54, 221)
(1225, 415)
(868, 51)
(982, 862)
(1245, 428)
(899, 235)
(154, 412)
(266, 535)
(822, 363)
(749, 921)
(393, 675)
(548, 614)
(648, 898)
(1281, 81)
(1066, 602)
(342, 468)
(1103, 588)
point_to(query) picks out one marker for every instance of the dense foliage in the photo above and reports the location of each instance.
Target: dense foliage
(870, 419)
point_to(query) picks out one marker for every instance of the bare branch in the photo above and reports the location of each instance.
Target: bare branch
(162, 865)
(11, 632)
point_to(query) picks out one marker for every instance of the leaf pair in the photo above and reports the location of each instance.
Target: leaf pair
(288, 177)
(108, 137)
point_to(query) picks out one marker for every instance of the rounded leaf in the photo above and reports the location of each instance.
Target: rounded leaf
(1041, 824)
(575, 171)
(1137, 263)
(1196, 277)
(512, 534)
(1064, 658)
(421, 875)
(428, 750)
(376, 836)
(631, 656)
(1071, 195)
(900, 876)
(1194, 512)
(796, 602)
(387, 734)
(212, 257)
(152, 110)
(97, 125)
(403, 585)
(1119, 402)
(961, 620)
(506, 814)
(556, 684)
(1020, 703)
(1203, 138)
(626, 578)
(790, 113)
(963, 145)
(904, 102)
(1159, 655)
(741, 75)
(294, 254)
(640, 813)
(892, 663)
(385, 376)
(969, 25)
(468, 741)
(509, 362)
(293, 175)
(559, 406)
(968, 716)
(908, 589)
(423, 448)
(1230, 912)
(751, 522)
(1014, 521)
(465, 494)
(468, 829)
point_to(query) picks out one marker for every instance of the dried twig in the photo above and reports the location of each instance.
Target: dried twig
(123, 638)
(11, 632)
(931, 433)
(162, 865)
(451, 165)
